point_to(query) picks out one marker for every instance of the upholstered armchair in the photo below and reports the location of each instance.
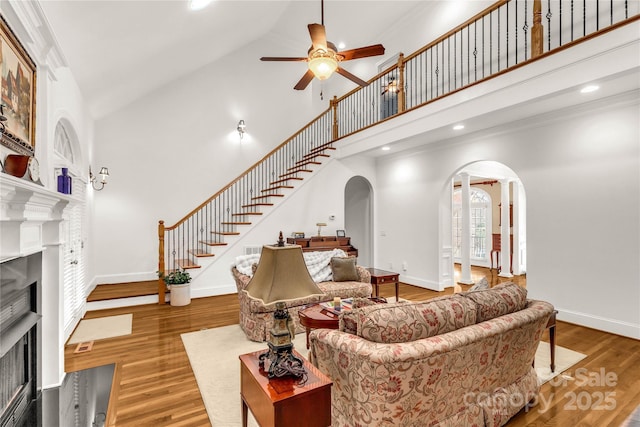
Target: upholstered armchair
(256, 318)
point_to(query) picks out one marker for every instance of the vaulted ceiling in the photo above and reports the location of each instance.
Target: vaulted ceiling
(120, 50)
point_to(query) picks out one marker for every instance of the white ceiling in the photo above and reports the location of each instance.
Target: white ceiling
(120, 50)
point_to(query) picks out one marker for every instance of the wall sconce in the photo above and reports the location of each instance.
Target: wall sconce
(104, 173)
(241, 128)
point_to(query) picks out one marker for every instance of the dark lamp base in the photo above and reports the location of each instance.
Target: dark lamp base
(282, 362)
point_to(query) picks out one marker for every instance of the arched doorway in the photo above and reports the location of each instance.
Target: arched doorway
(358, 217)
(462, 239)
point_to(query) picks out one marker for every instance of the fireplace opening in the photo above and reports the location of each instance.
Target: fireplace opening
(19, 343)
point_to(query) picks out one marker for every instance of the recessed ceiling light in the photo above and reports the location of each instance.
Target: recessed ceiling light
(198, 4)
(386, 148)
(341, 45)
(589, 89)
(458, 127)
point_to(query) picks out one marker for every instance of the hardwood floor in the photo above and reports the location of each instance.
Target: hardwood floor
(154, 384)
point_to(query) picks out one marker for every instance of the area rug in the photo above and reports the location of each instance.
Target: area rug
(565, 359)
(101, 328)
(213, 354)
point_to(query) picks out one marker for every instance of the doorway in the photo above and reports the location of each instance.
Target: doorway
(358, 217)
(490, 185)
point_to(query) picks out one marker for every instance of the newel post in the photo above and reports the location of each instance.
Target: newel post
(334, 108)
(537, 31)
(401, 93)
(161, 285)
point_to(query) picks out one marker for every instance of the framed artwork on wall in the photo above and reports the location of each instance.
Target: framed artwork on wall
(340, 233)
(18, 92)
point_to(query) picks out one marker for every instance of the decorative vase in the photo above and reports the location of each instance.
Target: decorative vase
(64, 182)
(180, 294)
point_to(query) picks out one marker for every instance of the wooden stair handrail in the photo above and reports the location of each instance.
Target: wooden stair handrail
(246, 172)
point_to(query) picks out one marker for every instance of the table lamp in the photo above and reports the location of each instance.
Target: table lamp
(282, 276)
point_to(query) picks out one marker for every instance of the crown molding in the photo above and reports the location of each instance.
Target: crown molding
(28, 21)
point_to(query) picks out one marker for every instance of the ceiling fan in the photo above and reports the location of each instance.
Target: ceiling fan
(323, 57)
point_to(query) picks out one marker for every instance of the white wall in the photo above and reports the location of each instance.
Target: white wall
(313, 201)
(171, 150)
(580, 172)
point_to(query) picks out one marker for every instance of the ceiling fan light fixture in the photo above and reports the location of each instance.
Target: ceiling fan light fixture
(322, 65)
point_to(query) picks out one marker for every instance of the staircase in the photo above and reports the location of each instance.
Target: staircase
(202, 234)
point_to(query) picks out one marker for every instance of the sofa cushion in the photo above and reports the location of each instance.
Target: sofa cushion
(344, 269)
(403, 322)
(500, 300)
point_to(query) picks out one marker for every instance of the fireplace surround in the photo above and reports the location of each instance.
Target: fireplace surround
(20, 337)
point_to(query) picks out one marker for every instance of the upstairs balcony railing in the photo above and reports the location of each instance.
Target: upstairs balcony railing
(507, 35)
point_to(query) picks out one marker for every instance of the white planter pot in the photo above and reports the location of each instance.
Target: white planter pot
(181, 294)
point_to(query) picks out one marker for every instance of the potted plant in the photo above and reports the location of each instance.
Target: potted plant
(178, 283)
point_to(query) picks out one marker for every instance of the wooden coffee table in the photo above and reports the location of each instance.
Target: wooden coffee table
(316, 317)
(284, 402)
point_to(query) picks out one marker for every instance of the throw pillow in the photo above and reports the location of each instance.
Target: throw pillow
(482, 284)
(344, 269)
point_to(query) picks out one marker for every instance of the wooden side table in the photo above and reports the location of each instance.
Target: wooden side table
(284, 402)
(381, 277)
(315, 317)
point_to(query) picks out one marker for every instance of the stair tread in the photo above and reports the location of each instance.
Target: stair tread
(312, 155)
(266, 196)
(293, 172)
(257, 204)
(226, 233)
(213, 243)
(186, 264)
(235, 223)
(246, 213)
(200, 253)
(110, 291)
(303, 162)
(277, 187)
(297, 178)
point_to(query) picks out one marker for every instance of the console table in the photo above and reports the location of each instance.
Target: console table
(324, 243)
(284, 402)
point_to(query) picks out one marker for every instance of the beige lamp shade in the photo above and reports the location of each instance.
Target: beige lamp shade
(282, 275)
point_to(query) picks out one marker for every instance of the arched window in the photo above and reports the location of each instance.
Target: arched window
(480, 218)
(62, 144)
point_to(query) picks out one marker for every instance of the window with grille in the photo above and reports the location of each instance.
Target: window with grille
(480, 213)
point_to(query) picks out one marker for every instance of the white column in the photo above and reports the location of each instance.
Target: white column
(516, 229)
(465, 250)
(505, 231)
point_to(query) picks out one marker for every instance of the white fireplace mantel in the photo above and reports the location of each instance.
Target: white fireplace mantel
(26, 209)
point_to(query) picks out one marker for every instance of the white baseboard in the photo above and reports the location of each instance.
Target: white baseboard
(212, 292)
(427, 284)
(601, 323)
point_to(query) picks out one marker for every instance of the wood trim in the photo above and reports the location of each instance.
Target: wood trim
(114, 394)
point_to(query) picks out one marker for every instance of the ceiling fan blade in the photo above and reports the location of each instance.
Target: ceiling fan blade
(362, 52)
(304, 81)
(318, 36)
(280, 58)
(351, 77)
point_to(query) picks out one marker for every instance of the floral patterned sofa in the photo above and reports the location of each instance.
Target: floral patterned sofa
(256, 318)
(459, 360)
